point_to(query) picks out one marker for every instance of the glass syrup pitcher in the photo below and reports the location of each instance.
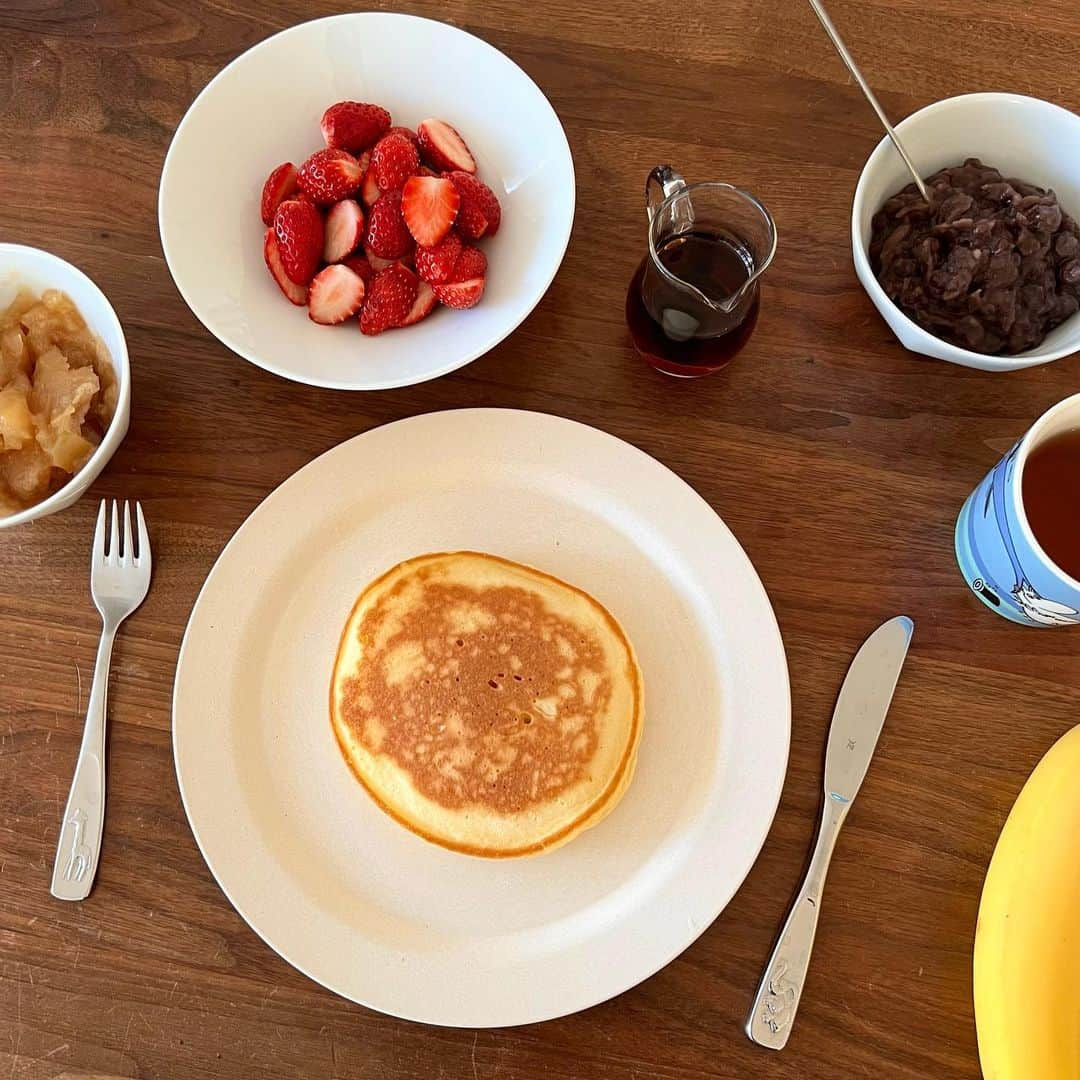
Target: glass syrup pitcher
(693, 302)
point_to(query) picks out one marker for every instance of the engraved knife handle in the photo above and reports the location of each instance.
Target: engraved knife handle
(777, 999)
(84, 816)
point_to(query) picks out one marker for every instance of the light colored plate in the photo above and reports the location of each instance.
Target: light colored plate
(264, 108)
(359, 903)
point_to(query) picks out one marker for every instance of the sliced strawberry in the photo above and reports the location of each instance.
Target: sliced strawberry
(280, 185)
(354, 125)
(329, 176)
(387, 234)
(443, 148)
(389, 300)
(429, 205)
(335, 295)
(376, 262)
(344, 230)
(298, 227)
(471, 263)
(359, 265)
(436, 264)
(408, 133)
(460, 294)
(369, 190)
(479, 213)
(422, 306)
(393, 160)
(296, 294)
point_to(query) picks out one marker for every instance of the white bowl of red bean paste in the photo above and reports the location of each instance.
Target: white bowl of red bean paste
(988, 273)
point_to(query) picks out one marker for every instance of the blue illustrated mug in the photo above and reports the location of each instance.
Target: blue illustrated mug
(995, 547)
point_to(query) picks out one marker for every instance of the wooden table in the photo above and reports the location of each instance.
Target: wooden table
(838, 459)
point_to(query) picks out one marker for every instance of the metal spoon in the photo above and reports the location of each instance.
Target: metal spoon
(841, 48)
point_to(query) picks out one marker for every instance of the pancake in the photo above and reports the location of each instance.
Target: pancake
(489, 707)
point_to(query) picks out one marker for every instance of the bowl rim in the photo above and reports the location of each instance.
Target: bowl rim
(251, 355)
(860, 254)
(121, 367)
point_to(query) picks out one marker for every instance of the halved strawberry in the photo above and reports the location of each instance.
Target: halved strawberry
(386, 233)
(429, 205)
(354, 125)
(471, 263)
(360, 266)
(329, 176)
(460, 294)
(479, 213)
(376, 262)
(296, 294)
(443, 148)
(279, 186)
(298, 227)
(344, 230)
(422, 306)
(436, 264)
(393, 160)
(369, 190)
(389, 300)
(335, 295)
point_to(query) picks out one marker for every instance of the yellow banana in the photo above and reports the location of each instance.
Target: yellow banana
(1027, 941)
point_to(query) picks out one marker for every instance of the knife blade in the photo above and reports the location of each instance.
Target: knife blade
(858, 718)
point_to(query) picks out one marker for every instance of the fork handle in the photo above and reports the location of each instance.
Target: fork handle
(84, 817)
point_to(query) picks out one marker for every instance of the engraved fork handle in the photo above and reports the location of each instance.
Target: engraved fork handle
(773, 1010)
(84, 816)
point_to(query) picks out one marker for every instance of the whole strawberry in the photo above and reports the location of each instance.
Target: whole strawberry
(387, 235)
(393, 160)
(329, 176)
(298, 228)
(354, 125)
(389, 299)
(479, 213)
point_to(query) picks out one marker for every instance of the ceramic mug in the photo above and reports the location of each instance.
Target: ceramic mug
(995, 547)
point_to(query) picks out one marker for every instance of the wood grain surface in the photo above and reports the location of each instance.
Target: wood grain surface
(838, 459)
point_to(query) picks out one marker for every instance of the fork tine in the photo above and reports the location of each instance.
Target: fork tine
(144, 537)
(114, 535)
(129, 551)
(98, 554)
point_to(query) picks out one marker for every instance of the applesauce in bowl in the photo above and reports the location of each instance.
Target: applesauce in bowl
(65, 394)
(58, 394)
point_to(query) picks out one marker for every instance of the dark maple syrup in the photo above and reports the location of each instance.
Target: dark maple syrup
(678, 334)
(1051, 492)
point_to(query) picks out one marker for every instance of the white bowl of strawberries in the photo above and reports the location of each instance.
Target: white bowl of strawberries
(371, 220)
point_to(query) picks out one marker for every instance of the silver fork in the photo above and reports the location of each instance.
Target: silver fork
(119, 578)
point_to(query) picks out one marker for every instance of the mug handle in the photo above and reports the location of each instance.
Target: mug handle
(661, 184)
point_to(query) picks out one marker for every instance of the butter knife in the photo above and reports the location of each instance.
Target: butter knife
(856, 724)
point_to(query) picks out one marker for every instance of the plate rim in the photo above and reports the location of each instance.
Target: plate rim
(418, 1016)
(359, 385)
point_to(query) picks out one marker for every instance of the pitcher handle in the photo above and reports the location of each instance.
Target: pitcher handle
(662, 183)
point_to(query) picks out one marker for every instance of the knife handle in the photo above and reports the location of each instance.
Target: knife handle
(777, 999)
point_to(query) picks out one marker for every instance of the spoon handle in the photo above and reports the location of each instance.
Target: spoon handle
(849, 61)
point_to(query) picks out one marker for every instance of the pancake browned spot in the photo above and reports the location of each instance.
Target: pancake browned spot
(490, 707)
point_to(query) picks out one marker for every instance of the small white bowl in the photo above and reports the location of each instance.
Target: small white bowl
(1023, 137)
(264, 109)
(36, 270)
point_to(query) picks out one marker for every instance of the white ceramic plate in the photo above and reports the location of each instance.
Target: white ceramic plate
(367, 908)
(264, 108)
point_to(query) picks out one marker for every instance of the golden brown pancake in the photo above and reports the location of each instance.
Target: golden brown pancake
(487, 706)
